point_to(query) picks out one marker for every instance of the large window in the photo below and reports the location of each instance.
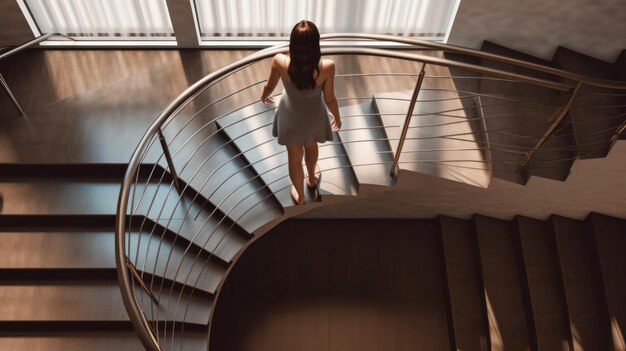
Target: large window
(268, 20)
(102, 21)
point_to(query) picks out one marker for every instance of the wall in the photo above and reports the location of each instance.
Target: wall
(14, 29)
(538, 27)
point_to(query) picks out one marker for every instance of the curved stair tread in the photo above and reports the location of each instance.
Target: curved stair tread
(223, 240)
(221, 174)
(252, 126)
(366, 144)
(428, 149)
(180, 262)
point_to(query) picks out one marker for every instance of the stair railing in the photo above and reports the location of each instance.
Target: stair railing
(196, 209)
(15, 50)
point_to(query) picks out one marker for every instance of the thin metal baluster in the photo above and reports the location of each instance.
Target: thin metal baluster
(554, 120)
(11, 96)
(407, 121)
(143, 285)
(170, 163)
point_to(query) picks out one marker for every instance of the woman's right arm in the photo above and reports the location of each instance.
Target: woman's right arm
(272, 81)
(329, 96)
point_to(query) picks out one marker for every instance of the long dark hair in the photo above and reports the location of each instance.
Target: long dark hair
(305, 53)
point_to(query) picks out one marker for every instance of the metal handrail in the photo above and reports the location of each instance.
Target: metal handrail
(15, 50)
(601, 83)
(137, 316)
(32, 42)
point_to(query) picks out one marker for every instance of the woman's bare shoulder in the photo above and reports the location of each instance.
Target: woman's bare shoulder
(279, 60)
(328, 65)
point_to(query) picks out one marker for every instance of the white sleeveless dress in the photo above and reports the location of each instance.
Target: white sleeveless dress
(302, 117)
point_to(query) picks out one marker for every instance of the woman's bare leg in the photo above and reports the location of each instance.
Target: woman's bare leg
(296, 174)
(311, 154)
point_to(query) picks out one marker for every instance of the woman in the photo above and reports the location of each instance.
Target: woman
(302, 116)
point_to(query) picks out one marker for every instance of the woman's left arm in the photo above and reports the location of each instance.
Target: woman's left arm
(272, 81)
(329, 96)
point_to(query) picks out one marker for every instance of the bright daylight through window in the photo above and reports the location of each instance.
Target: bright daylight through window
(228, 20)
(232, 22)
(119, 22)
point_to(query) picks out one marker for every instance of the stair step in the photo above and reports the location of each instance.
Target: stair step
(73, 341)
(554, 159)
(58, 251)
(438, 145)
(123, 340)
(518, 126)
(465, 284)
(597, 113)
(268, 159)
(610, 238)
(503, 293)
(253, 126)
(580, 280)
(215, 234)
(574, 61)
(213, 166)
(92, 335)
(541, 266)
(183, 263)
(51, 197)
(61, 196)
(494, 48)
(365, 141)
(83, 301)
(37, 197)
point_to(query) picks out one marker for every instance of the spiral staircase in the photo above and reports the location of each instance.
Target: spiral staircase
(208, 179)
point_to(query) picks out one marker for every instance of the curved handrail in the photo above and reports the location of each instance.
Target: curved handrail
(31, 43)
(602, 83)
(137, 317)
